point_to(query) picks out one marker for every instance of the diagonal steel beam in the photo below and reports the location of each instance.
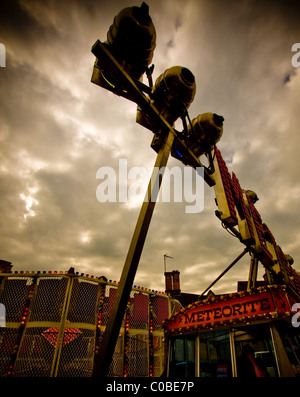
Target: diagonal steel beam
(225, 271)
(131, 263)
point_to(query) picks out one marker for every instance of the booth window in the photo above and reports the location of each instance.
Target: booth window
(182, 358)
(215, 359)
(214, 351)
(244, 351)
(254, 349)
(290, 337)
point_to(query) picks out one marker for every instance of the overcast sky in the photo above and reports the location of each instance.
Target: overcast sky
(58, 129)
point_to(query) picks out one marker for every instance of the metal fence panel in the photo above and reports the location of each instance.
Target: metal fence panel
(55, 324)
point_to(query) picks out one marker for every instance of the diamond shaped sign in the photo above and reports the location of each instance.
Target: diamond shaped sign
(51, 334)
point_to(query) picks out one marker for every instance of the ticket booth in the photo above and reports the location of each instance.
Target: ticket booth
(245, 334)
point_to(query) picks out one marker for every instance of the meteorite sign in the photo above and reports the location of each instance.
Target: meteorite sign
(253, 306)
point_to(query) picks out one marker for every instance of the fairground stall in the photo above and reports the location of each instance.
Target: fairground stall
(243, 334)
(252, 332)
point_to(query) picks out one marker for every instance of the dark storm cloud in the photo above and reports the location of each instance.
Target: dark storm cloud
(57, 129)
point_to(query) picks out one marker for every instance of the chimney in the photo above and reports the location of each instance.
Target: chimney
(172, 282)
(169, 284)
(5, 266)
(176, 281)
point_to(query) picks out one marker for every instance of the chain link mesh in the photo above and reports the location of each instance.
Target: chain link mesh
(137, 347)
(40, 342)
(55, 325)
(35, 356)
(14, 293)
(77, 349)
